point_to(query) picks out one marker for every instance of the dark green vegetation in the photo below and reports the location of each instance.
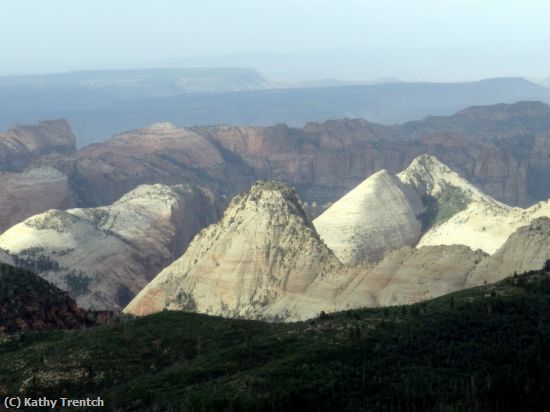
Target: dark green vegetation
(450, 201)
(32, 259)
(28, 302)
(482, 349)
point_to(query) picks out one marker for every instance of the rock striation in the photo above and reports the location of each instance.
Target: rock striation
(104, 256)
(262, 260)
(410, 275)
(502, 149)
(162, 153)
(32, 191)
(379, 215)
(403, 239)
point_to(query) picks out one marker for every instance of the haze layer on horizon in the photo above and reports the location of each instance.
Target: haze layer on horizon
(422, 40)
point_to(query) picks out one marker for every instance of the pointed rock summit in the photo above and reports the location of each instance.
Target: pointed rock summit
(377, 216)
(104, 256)
(432, 178)
(257, 262)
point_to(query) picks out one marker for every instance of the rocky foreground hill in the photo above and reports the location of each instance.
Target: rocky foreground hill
(501, 149)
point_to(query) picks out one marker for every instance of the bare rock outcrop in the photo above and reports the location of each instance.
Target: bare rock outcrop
(458, 213)
(162, 153)
(410, 275)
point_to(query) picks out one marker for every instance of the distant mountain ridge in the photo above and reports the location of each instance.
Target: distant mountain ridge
(100, 104)
(502, 149)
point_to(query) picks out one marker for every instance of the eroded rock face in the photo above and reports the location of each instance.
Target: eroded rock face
(257, 262)
(32, 191)
(21, 145)
(162, 153)
(528, 248)
(500, 148)
(104, 256)
(379, 215)
(265, 260)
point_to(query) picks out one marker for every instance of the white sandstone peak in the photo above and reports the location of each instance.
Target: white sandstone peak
(155, 193)
(377, 216)
(162, 127)
(263, 252)
(459, 213)
(431, 177)
(103, 256)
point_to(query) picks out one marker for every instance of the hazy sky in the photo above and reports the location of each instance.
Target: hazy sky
(410, 39)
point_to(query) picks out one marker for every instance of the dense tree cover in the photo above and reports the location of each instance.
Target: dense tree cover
(28, 302)
(483, 349)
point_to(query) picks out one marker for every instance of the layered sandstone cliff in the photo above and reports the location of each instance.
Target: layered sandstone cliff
(162, 153)
(32, 191)
(410, 275)
(501, 149)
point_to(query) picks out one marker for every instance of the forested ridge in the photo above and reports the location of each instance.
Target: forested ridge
(484, 349)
